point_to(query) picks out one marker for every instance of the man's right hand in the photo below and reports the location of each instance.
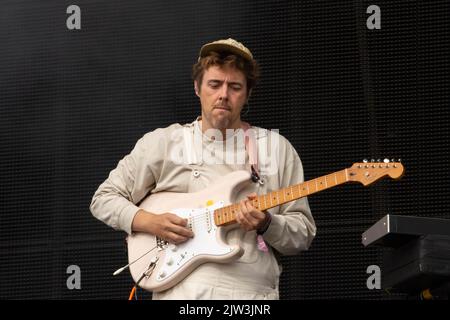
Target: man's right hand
(167, 226)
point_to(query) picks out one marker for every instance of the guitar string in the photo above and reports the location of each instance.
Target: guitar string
(202, 216)
(199, 217)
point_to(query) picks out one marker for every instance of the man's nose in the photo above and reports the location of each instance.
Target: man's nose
(223, 94)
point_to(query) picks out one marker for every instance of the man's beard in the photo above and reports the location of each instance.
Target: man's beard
(221, 122)
(218, 120)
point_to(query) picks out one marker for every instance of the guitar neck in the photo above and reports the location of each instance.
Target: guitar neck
(227, 215)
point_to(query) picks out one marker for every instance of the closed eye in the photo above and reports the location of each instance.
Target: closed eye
(214, 84)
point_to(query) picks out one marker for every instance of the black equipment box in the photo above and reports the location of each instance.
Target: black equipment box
(418, 254)
(420, 264)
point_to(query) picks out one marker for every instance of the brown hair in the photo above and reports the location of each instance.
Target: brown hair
(225, 59)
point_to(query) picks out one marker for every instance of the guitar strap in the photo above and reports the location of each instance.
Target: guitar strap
(252, 150)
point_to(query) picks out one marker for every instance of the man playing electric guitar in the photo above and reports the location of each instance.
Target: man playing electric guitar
(189, 168)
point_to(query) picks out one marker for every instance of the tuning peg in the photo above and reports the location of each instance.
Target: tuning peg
(399, 160)
(365, 160)
(378, 160)
(372, 160)
(386, 160)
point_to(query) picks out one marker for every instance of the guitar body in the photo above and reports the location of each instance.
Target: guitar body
(171, 263)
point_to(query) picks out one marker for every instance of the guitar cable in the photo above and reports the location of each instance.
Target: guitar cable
(126, 266)
(133, 293)
(152, 264)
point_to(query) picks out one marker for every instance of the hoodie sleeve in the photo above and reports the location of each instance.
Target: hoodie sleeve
(293, 228)
(115, 200)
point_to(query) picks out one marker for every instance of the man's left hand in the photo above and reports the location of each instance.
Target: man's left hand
(249, 217)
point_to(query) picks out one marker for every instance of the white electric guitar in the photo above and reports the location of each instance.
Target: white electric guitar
(156, 265)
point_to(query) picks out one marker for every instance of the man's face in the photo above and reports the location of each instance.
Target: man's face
(222, 95)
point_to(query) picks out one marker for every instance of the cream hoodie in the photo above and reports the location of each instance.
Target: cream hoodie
(180, 158)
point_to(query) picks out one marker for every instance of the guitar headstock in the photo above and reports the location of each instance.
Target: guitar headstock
(368, 172)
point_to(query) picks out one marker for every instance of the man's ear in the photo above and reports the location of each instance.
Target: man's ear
(196, 89)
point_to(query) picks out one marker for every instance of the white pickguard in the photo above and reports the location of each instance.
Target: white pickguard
(201, 221)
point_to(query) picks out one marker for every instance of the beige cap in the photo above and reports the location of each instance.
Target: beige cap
(226, 45)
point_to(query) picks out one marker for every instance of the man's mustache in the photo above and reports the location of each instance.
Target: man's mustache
(222, 106)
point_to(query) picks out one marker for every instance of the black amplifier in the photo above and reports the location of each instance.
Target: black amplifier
(417, 254)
